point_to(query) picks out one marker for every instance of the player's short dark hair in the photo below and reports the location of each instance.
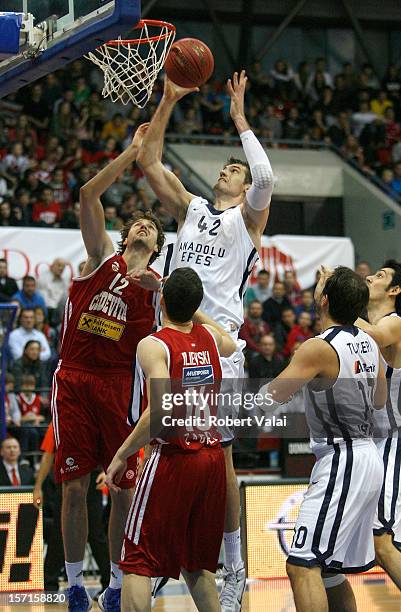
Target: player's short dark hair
(136, 217)
(395, 281)
(28, 278)
(348, 295)
(183, 294)
(264, 271)
(244, 164)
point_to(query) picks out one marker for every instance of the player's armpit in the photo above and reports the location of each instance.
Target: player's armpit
(168, 189)
(307, 363)
(386, 332)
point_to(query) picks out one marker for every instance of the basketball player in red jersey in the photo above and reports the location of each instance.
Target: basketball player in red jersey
(105, 317)
(176, 519)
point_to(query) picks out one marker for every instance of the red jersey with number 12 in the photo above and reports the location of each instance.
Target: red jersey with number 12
(194, 365)
(105, 317)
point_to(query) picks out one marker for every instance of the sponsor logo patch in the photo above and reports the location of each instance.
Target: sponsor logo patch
(360, 367)
(70, 461)
(100, 327)
(197, 375)
(115, 266)
(130, 474)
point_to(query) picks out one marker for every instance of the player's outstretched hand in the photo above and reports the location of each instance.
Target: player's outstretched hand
(236, 90)
(173, 92)
(139, 135)
(145, 279)
(115, 472)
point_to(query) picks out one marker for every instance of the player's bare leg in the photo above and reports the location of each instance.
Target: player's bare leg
(308, 588)
(136, 593)
(340, 596)
(388, 557)
(110, 599)
(74, 524)
(120, 505)
(234, 570)
(202, 586)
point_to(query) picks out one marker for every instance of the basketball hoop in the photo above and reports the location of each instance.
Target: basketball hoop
(131, 67)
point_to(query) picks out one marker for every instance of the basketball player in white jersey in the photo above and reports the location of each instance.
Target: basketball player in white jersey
(219, 240)
(384, 310)
(342, 379)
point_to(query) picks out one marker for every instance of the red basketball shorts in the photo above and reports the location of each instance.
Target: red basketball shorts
(89, 412)
(176, 518)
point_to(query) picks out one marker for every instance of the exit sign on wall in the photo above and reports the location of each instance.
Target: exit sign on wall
(388, 218)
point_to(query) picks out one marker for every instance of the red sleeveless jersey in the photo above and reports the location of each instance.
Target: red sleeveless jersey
(29, 405)
(194, 365)
(105, 317)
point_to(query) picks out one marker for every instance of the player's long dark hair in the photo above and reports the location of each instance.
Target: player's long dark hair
(395, 281)
(136, 217)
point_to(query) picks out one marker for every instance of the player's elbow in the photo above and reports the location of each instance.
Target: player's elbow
(85, 193)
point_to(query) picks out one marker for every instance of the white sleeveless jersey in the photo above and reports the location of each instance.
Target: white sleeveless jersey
(216, 244)
(345, 410)
(388, 420)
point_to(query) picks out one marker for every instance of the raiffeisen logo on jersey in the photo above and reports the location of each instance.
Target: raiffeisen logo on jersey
(197, 375)
(360, 367)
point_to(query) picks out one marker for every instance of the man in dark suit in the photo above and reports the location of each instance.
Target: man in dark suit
(8, 286)
(12, 472)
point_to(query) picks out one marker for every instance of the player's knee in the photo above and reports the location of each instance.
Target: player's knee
(74, 491)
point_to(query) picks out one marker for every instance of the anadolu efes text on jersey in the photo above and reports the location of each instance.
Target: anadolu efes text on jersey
(105, 317)
(217, 245)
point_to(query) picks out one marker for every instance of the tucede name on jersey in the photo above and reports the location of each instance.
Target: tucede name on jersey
(360, 348)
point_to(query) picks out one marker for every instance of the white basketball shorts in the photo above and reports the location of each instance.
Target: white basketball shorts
(334, 528)
(388, 513)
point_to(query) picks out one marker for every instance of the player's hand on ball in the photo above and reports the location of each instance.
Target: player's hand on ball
(174, 92)
(115, 472)
(139, 135)
(145, 279)
(236, 90)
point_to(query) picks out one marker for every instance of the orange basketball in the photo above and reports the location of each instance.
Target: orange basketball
(190, 63)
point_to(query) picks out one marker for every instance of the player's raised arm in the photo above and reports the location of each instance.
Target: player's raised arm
(168, 188)
(386, 332)
(256, 206)
(97, 242)
(307, 363)
(380, 396)
(153, 360)
(225, 343)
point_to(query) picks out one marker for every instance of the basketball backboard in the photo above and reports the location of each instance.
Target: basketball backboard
(65, 31)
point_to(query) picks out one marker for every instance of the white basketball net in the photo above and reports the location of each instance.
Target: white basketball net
(131, 67)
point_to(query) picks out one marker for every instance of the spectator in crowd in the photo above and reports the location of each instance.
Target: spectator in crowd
(396, 182)
(362, 117)
(13, 413)
(268, 364)
(25, 332)
(36, 107)
(307, 304)
(274, 306)
(29, 296)
(253, 328)
(13, 473)
(282, 328)
(41, 324)
(363, 269)
(54, 286)
(380, 103)
(46, 212)
(261, 290)
(299, 333)
(116, 128)
(31, 418)
(292, 287)
(112, 221)
(8, 285)
(31, 364)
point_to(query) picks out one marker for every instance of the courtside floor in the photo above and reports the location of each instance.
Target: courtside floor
(374, 593)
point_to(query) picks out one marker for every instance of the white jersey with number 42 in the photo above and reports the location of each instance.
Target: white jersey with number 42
(217, 245)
